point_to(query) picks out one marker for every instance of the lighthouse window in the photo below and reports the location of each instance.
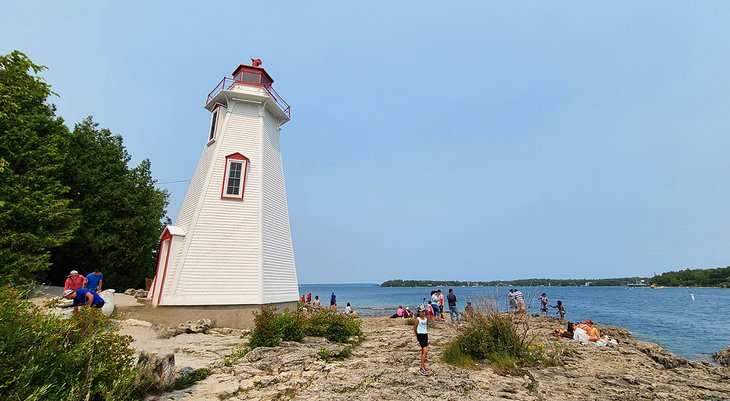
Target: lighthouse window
(233, 187)
(213, 122)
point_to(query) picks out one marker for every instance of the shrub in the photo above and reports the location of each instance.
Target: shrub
(264, 333)
(192, 378)
(332, 326)
(49, 358)
(454, 355)
(500, 338)
(289, 326)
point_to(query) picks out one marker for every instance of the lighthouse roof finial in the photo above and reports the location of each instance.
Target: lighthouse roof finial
(256, 62)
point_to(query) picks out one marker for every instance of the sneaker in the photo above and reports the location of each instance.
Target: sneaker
(428, 370)
(423, 372)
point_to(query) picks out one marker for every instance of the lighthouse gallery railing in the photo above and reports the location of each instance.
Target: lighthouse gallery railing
(228, 82)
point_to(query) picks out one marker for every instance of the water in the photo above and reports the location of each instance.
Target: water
(667, 316)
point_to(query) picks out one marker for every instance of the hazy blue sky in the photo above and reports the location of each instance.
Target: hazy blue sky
(493, 140)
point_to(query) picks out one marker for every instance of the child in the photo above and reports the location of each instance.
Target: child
(544, 302)
(420, 327)
(561, 309)
(430, 310)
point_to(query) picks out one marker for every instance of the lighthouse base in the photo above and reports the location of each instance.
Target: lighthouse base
(232, 316)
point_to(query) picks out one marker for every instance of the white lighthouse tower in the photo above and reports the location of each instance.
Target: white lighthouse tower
(230, 248)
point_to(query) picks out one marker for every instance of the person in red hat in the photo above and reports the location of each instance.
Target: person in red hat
(74, 282)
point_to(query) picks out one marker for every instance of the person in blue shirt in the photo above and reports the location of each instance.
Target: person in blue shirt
(93, 281)
(333, 302)
(84, 297)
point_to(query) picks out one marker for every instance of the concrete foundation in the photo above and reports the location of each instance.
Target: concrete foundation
(233, 316)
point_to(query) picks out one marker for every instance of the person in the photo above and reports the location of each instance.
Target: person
(74, 281)
(348, 309)
(399, 312)
(435, 304)
(316, 300)
(561, 309)
(511, 303)
(452, 306)
(83, 296)
(582, 335)
(544, 302)
(309, 298)
(94, 281)
(520, 299)
(333, 302)
(588, 327)
(304, 299)
(407, 312)
(420, 327)
(429, 308)
(441, 304)
(567, 333)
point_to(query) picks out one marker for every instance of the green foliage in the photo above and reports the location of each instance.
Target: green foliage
(332, 326)
(192, 378)
(264, 333)
(718, 277)
(121, 222)
(48, 358)
(289, 326)
(68, 199)
(271, 328)
(454, 355)
(35, 214)
(500, 338)
(531, 282)
(324, 354)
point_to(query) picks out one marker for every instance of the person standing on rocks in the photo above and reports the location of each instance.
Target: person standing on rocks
(520, 299)
(441, 304)
(333, 302)
(420, 327)
(452, 306)
(544, 302)
(511, 302)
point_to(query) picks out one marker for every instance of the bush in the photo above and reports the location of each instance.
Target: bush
(500, 338)
(264, 333)
(48, 358)
(332, 326)
(289, 326)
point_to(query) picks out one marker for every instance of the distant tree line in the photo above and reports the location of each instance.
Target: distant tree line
(718, 277)
(517, 283)
(68, 198)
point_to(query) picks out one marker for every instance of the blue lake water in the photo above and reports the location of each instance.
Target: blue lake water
(667, 316)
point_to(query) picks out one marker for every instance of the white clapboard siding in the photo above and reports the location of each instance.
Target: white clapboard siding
(232, 251)
(279, 272)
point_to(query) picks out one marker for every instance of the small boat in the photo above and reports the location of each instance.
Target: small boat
(656, 287)
(637, 284)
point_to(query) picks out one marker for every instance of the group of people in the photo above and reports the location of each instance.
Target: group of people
(84, 290)
(307, 299)
(584, 332)
(516, 300)
(545, 303)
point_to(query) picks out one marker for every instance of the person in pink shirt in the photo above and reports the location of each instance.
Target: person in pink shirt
(74, 281)
(441, 304)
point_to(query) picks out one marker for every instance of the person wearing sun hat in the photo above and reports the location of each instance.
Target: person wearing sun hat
(75, 281)
(420, 327)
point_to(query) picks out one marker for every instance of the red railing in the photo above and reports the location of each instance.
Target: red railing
(228, 82)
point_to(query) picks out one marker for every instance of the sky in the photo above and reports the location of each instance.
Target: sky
(484, 141)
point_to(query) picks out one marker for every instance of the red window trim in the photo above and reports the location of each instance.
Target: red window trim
(166, 238)
(216, 109)
(244, 171)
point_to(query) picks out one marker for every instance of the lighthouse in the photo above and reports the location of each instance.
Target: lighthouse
(230, 249)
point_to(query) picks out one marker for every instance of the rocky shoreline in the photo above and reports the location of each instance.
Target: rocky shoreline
(384, 366)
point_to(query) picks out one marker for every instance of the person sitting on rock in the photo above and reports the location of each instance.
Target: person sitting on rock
(398, 312)
(316, 301)
(567, 333)
(348, 310)
(588, 327)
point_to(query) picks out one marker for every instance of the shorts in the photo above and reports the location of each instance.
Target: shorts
(333, 303)
(436, 310)
(422, 340)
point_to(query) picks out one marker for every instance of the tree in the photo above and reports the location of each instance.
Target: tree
(35, 214)
(120, 206)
